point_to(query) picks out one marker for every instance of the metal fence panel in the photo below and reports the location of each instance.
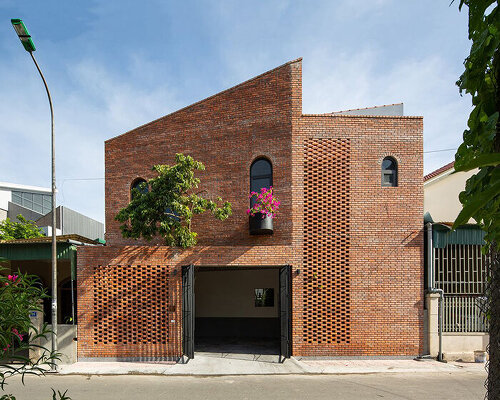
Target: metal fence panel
(464, 314)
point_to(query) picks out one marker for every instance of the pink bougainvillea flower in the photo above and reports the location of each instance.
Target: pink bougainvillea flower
(265, 204)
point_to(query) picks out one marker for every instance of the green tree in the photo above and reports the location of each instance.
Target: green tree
(23, 229)
(481, 149)
(166, 205)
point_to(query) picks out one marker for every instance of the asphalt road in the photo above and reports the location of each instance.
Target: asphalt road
(422, 386)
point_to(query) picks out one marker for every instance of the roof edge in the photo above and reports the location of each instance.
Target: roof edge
(439, 171)
(330, 115)
(207, 98)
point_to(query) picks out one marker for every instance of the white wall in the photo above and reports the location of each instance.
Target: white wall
(5, 197)
(441, 196)
(231, 293)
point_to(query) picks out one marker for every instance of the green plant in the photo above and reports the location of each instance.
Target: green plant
(481, 149)
(481, 145)
(265, 204)
(166, 205)
(19, 296)
(23, 229)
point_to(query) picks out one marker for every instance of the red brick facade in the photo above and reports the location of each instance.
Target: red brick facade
(357, 245)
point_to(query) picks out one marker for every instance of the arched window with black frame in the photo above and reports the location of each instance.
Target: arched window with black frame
(261, 176)
(139, 184)
(389, 172)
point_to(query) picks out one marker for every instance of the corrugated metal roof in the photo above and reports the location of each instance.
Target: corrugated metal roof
(442, 235)
(48, 239)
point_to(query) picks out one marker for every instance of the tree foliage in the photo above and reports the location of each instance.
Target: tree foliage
(481, 145)
(23, 229)
(166, 205)
(481, 149)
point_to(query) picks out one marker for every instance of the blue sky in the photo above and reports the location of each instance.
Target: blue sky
(114, 65)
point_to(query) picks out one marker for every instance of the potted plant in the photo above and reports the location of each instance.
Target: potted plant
(262, 212)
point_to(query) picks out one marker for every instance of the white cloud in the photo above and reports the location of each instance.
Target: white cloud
(95, 105)
(334, 82)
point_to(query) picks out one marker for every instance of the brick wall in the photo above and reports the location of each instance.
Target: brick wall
(226, 132)
(359, 290)
(376, 260)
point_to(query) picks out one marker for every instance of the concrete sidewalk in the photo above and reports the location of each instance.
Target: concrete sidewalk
(203, 365)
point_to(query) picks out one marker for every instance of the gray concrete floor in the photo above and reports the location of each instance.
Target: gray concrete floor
(237, 349)
(454, 386)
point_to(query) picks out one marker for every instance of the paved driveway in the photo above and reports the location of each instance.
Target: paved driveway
(436, 385)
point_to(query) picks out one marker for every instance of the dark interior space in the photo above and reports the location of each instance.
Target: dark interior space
(236, 310)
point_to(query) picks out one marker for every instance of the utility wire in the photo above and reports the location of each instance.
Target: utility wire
(437, 151)
(101, 179)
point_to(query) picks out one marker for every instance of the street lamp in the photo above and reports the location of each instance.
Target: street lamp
(29, 46)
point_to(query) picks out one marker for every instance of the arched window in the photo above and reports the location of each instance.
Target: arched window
(389, 172)
(139, 184)
(261, 176)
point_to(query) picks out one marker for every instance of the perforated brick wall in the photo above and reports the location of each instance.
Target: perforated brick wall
(131, 304)
(326, 241)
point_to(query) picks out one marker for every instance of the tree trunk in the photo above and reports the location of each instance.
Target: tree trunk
(493, 382)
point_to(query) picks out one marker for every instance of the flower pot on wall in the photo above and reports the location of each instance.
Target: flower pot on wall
(261, 226)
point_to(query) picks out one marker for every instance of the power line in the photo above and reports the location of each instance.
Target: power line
(83, 179)
(437, 151)
(101, 179)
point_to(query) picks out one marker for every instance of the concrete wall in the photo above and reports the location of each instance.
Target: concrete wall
(231, 293)
(66, 340)
(14, 210)
(441, 195)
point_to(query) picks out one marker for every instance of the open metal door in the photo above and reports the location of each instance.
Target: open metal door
(187, 313)
(285, 312)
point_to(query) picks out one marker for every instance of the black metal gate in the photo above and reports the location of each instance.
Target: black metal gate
(187, 313)
(285, 312)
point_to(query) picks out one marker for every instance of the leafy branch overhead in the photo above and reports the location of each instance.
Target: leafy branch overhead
(481, 145)
(166, 205)
(481, 149)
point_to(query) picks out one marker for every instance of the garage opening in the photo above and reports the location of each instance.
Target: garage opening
(237, 310)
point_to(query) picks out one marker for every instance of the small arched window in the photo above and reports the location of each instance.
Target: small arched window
(140, 184)
(261, 176)
(389, 172)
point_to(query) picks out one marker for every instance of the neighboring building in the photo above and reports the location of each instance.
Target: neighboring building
(35, 203)
(441, 190)
(32, 202)
(456, 265)
(33, 256)
(342, 274)
(69, 222)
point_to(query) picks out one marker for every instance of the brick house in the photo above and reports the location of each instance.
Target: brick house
(345, 261)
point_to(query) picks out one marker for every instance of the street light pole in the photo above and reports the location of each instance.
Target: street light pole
(29, 46)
